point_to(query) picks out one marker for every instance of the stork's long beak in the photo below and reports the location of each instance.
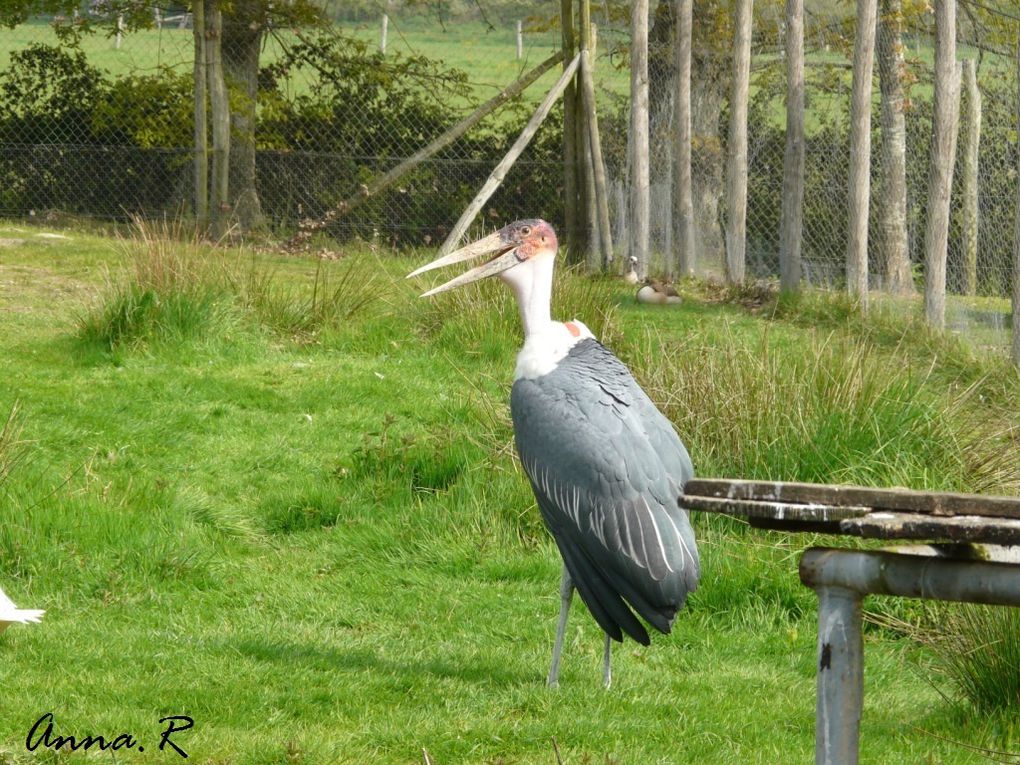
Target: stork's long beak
(505, 258)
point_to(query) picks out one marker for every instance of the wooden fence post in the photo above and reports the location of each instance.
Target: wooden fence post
(791, 223)
(639, 183)
(520, 39)
(684, 196)
(384, 32)
(945, 125)
(860, 151)
(736, 166)
(969, 182)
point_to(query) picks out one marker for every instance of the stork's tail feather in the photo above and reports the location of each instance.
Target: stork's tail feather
(602, 598)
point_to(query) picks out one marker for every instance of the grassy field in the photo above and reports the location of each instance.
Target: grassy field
(299, 521)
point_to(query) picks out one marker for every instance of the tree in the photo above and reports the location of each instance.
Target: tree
(791, 223)
(639, 205)
(860, 152)
(684, 193)
(736, 171)
(945, 125)
(892, 245)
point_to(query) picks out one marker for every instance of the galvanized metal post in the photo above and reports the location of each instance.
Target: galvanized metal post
(840, 676)
(842, 578)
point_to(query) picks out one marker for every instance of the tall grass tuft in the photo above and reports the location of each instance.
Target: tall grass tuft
(173, 289)
(177, 287)
(977, 648)
(337, 293)
(835, 411)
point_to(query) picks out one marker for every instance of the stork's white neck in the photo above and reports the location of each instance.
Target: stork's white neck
(531, 282)
(546, 342)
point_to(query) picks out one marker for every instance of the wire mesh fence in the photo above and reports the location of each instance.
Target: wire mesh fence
(103, 127)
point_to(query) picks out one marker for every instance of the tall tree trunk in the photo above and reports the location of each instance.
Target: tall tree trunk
(945, 125)
(639, 202)
(683, 195)
(969, 169)
(201, 139)
(709, 78)
(570, 149)
(893, 244)
(791, 224)
(708, 95)
(736, 175)
(243, 30)
(1016, 232)
(860, 152)
(219, 107)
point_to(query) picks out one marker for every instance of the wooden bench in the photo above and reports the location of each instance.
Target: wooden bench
(967, 557)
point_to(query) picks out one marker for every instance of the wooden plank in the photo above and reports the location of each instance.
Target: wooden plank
(959, 528)
(924, 502)
(779, 511)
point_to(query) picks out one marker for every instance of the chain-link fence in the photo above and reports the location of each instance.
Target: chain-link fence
(103, 127)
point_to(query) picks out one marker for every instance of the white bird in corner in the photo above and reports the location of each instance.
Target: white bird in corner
(11, 614)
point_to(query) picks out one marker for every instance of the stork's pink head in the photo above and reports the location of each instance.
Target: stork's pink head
(515, 244)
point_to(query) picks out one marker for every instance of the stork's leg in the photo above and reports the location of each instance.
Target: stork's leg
(607, 672)
(566, 594)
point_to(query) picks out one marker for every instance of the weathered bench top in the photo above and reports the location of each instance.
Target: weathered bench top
(860, 511)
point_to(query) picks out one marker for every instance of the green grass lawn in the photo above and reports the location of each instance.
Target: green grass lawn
(314, 539)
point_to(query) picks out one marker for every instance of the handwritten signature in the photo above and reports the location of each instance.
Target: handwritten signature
(42, 735)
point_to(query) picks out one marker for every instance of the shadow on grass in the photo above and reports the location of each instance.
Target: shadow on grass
(468, 668)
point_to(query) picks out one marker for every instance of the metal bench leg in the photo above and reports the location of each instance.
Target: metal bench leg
(840, 676)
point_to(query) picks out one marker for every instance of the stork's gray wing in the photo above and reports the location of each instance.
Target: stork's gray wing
(607, 469)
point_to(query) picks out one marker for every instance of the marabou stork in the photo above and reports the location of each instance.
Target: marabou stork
(606, 466)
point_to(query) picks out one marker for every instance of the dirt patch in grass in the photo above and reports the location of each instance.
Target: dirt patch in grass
(31, 288)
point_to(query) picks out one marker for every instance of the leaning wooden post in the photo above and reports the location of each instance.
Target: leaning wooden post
(860, 151)
(945, 125)
(791, 223)
(683, 198)
(736, 166)
(639, 182)
(1016, 231)
(382, 182)
(971, 147)
(499, 172)
(570, 153)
